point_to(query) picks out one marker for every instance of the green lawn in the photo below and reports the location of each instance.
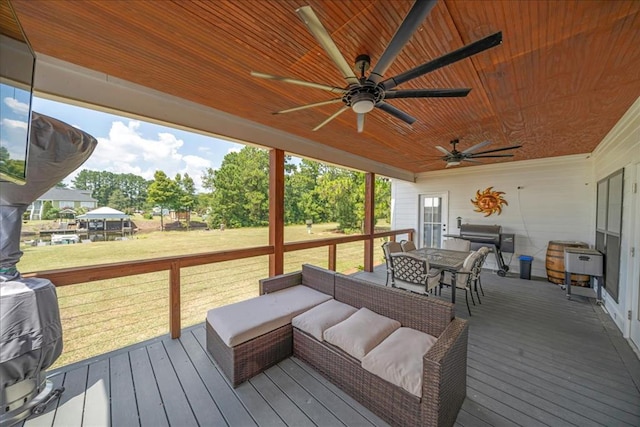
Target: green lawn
(160, 244)
(105, 315)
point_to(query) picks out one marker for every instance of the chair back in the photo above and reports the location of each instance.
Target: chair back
(457, 244)
(410, 268)
(484, 252)
(467, 275)
(477, 268)
(408, 245)
(390, 248)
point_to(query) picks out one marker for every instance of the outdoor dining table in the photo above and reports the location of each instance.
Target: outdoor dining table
(444, 259)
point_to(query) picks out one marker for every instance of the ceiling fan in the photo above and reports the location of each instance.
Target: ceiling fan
(455, 157)
(364, 92)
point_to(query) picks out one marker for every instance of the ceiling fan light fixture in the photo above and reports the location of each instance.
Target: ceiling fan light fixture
(453, 162)
(363, 106)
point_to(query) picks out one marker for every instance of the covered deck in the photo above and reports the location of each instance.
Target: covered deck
(534, 358)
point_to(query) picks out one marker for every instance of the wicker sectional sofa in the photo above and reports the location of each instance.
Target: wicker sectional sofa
(443, 385)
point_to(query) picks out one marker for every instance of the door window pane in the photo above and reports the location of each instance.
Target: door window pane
(601, 213)
(609, 228)
(614, 208)
(432, 221)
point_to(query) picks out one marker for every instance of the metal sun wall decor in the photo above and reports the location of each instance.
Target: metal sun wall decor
(489, 201)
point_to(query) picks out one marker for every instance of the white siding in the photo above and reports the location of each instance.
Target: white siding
(621, 149)
(554, 202)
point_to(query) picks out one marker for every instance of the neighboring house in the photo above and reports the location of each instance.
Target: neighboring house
(62, 198)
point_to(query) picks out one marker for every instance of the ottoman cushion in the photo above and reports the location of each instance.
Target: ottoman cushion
(245, 320)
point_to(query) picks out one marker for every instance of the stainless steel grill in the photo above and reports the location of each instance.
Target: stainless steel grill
(492, 237)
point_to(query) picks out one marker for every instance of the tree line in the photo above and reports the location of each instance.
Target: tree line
(122, 191)
(237, 194)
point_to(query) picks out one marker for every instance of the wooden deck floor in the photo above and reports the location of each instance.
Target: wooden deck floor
(535, 359)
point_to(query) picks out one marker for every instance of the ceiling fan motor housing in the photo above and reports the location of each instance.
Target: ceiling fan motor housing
(362, 99)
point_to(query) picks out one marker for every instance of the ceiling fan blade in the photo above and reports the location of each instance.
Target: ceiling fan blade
(473, 156)
(447, 59)
(471, 160)
(427, 93)
(333, 89)
(396, 112)
(304, 107)
(361, 122)
(513, 147)
(444, 150)
(476, 147)
(316, 28)
(412, 21)
(331, 117)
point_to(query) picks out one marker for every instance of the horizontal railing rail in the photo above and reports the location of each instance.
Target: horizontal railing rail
(84, 274)
(91, 273)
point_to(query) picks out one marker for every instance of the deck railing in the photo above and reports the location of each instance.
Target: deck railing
(175, 264)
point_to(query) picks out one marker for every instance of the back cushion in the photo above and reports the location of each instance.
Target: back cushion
(361, 332)
(423, 313)
(398, 359)
(321, 317)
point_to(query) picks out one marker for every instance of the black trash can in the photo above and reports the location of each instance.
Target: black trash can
(525, 266)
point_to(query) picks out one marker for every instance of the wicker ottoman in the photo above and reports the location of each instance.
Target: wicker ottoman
(248, 337)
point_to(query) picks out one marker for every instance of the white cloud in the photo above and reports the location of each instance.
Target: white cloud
(14, 137)
(235, 149)
(125, 150)
(15, 124)
(196, 163)
(16, 106)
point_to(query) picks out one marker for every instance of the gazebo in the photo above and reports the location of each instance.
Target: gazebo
(67, 214)
(105, 221)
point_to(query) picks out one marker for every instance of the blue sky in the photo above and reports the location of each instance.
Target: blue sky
(133, 146)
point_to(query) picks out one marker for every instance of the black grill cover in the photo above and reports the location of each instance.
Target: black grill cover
(30, 329)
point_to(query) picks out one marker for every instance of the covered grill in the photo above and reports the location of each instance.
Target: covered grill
(492, 237)
(30, 327)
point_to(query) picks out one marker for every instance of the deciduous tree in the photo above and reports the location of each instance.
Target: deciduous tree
(240, 189)
(187, 198)
(164, 193)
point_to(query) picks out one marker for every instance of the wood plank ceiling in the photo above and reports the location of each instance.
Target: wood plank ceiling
(564, 75)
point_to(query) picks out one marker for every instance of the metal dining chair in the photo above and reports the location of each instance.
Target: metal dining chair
(464, 278)
(484, 252)
(412, 273)
(389, 248)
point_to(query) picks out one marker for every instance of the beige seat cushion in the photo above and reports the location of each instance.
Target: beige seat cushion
(398, 359)
(361, 332)
(321, 317)
(245, 320)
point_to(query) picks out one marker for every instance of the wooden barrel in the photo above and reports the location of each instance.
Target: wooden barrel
(555, 263)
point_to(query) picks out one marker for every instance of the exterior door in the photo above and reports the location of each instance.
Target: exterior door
(433, 219)
(634, 334)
